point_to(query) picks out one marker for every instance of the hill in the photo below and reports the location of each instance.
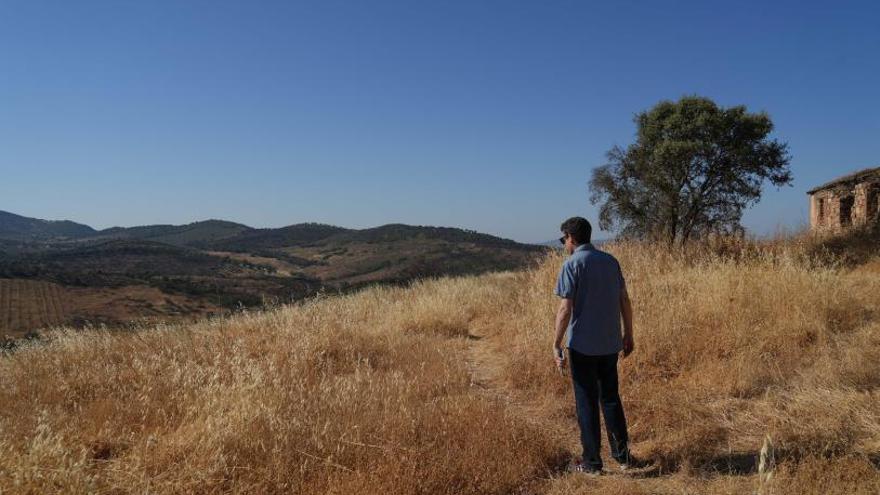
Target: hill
(215, 265)
(116, 262)
(115, 282)
(262, 240)
(193, 234)
(390, 253)
(447, 386)
(400, 232)
(18, 228)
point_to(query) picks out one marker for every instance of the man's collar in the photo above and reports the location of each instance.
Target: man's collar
(584, 247)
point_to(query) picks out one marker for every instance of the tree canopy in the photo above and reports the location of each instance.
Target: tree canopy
(692, 170)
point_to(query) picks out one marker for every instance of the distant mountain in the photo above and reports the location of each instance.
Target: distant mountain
(258, 240)
(399, 253)
(132, 257)
(399, 232)
(346, 258)
(120, 273)
(110, 263)
(18, 228)
(193, 234)
(221, 235)
(316, 235)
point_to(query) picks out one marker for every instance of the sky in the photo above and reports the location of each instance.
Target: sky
(485, 115)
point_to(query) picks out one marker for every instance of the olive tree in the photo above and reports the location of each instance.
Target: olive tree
(692, 170)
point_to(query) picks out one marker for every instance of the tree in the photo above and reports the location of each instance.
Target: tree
(692, 170)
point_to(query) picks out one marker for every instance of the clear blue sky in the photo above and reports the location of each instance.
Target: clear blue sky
(486, 115)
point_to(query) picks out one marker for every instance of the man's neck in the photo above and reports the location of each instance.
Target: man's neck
(578, 246)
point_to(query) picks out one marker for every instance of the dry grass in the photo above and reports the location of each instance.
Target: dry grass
(374, 392)
(730, 347)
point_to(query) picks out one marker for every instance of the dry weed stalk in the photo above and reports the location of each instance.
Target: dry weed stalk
(766, 465)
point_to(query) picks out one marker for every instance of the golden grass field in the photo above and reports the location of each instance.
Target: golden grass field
(449, 387)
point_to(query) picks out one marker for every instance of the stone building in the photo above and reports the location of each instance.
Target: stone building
(850, 200)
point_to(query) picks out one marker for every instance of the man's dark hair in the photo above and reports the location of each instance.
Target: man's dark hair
(578, 228)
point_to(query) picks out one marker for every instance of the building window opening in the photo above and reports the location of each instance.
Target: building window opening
(846, 207)
(873, 201)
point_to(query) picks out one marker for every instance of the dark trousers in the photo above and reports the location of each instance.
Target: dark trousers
(595, 383)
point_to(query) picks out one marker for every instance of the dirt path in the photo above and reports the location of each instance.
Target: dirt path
(485, 362)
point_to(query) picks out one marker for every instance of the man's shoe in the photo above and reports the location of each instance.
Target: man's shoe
(633, 463)
(580, 467)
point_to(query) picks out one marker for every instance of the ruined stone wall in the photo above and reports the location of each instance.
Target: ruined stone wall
(824, 211)
(832, 218)
(834, 209)
(814, 212)
(860, 206)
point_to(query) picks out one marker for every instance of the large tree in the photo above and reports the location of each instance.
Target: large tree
(693, 168)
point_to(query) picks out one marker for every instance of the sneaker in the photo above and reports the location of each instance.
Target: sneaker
(580, 467)
(631, 463)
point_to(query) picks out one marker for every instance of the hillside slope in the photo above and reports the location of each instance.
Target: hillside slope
(447, 386)
(261, 240)
(18, 228)
(219, 265)
(193, 234)
(120, 281)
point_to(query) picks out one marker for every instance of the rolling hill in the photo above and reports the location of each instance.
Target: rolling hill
(193, 234)
(254, 240)
(216, 265)
(18, 228)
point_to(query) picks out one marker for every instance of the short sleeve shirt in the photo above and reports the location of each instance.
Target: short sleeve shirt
(593, 280)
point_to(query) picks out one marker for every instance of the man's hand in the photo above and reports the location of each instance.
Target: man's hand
(559, 356)
(563, 316)
(628, 345)
(627, 311)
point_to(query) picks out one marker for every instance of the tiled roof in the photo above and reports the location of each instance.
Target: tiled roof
(853, 177)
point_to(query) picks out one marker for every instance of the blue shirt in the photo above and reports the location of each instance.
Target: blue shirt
(592, 278)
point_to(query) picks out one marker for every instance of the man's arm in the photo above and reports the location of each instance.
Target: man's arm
(563, 315)
(627, 312)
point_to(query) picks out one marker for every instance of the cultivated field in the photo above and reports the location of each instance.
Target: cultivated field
(448, 386)
(30, 304)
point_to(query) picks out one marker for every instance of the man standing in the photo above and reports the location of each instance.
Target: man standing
(594, 297)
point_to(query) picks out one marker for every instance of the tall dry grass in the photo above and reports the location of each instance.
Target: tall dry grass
(366, 393)
(376, 392)
(734, 341)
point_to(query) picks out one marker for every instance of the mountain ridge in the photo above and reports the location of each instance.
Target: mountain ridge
(120, 274)
(20, 228)
(15, 227)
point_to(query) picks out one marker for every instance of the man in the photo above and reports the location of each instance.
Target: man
(594, 297)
